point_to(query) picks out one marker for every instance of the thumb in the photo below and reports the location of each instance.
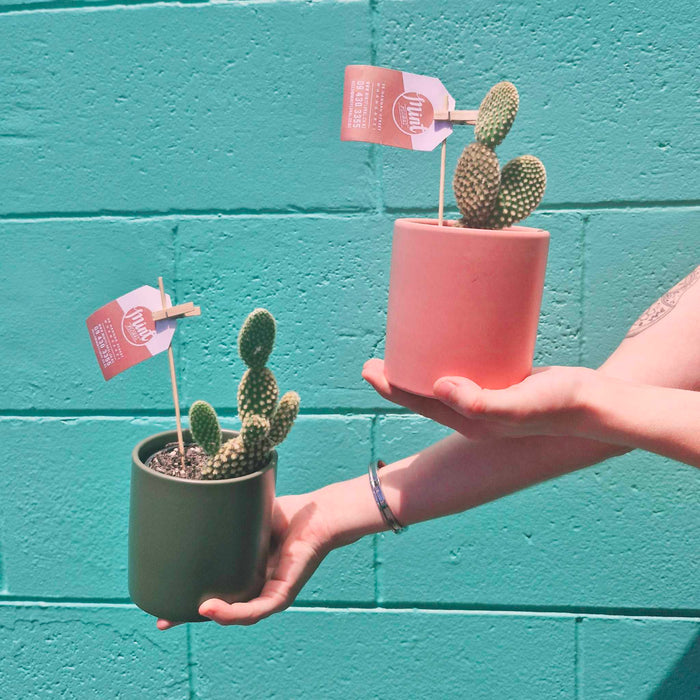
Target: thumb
(469, 399)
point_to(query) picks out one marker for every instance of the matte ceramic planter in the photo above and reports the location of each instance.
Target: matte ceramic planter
(463, 302)
(194, 540)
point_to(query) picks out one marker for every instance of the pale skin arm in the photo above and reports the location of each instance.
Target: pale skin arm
(459, 473)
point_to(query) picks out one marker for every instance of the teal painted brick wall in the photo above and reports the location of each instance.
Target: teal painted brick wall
(200, 141)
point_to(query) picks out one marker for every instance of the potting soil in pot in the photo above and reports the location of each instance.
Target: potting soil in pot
(168, 461)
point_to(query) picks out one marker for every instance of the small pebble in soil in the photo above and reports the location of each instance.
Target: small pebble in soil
(168, 461)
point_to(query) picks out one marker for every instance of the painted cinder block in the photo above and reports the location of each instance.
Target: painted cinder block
(65, 521)
(607, 98)
(623, 658)
(55, 275)
(632, 258)
(387, 654)
(82, 651)
(622, 534)
(325, 280)
(160, 108)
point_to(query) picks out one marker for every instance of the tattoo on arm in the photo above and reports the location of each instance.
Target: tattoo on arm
(664, 305)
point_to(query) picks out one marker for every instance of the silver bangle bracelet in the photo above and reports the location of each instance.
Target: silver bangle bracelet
(389, 517)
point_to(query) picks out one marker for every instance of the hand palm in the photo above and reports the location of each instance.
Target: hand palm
(541, 404)
(298, 545)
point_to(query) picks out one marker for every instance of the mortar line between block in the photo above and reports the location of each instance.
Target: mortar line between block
(223, 412)
(3, 567)
(377, 152)
(91, 5)
(582, 289)
(58, 5)
(190, 665)
(185, 214)
(577, 658)
(373, 19)
(692, 615)
(350, 213)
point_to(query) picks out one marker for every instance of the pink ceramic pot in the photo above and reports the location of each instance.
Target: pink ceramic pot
(463, 302)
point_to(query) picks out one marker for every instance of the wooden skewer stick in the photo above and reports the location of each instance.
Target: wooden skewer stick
(441, 203)
(171, 360)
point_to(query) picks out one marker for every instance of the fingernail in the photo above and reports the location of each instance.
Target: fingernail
(443, 387)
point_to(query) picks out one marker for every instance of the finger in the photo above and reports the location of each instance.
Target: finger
(469, 399)
(373, 373)
(167, 624)
(271, 600)
(277, 594)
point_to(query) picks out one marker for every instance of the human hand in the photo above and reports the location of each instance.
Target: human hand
(300, 540)
(551, 401)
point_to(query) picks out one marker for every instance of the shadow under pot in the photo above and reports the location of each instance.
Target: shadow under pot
(191, 540)
(463, 302)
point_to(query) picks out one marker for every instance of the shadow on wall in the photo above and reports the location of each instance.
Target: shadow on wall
(683, 680)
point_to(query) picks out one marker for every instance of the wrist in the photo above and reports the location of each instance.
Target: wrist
(602, 400)
(571, 410)
(349, 510)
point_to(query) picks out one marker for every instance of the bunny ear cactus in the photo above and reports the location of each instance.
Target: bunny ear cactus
(264, 422)
(487, 197)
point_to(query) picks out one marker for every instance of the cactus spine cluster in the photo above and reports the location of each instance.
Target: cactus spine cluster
(486, 196)
(264, 422)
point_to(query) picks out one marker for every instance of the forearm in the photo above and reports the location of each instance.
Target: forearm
(453, 475)
(661, 420)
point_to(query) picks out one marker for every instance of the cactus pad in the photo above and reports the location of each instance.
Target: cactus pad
(257, 393)
(496, 114)
(256, 338)
(523, 182)
(476, 181)
(284, 416)
(204, 426)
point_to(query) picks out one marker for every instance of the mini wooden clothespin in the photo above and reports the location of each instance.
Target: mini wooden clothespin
(457, 116)
(180, 311)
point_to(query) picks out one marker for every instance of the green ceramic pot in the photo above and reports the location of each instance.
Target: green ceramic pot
(194, 540)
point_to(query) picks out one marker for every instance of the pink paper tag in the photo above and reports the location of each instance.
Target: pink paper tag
(393, 108)
(123, 332)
